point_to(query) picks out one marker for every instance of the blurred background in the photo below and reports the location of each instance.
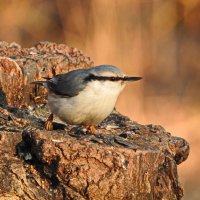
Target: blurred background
(157, 39)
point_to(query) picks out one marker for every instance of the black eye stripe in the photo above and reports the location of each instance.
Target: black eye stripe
(92, 77)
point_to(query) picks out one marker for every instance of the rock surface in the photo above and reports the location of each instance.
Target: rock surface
(123, 160)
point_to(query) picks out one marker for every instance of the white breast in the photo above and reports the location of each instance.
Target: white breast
(90, 106)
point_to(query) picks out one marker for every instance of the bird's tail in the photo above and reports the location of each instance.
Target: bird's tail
(43, 83)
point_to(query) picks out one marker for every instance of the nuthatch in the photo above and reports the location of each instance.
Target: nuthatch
(85, 96)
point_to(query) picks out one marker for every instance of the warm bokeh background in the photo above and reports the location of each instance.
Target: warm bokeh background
(158, 39)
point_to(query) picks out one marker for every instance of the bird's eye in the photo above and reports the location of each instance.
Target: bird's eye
(112, 78)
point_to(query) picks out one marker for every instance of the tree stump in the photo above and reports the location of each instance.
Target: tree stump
(123, 160)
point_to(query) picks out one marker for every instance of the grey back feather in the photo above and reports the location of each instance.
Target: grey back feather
(69, 84)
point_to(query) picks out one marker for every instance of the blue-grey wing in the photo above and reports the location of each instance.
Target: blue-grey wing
(69, 84)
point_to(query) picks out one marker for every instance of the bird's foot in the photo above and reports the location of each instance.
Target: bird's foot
(49, 123)
(91, 129)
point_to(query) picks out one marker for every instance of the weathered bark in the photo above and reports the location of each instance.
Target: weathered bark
(21, 66)
(123, 160)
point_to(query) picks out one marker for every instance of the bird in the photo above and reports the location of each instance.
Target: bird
(84, 96)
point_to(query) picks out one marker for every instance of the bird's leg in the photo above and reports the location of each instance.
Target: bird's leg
(91, 129)
(49, 123)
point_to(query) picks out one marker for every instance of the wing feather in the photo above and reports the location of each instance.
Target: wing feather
(69, 84)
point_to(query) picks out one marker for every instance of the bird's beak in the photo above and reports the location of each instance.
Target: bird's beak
(132, 78)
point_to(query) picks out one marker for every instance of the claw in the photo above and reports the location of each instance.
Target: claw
(91, 129)
(49, 123)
